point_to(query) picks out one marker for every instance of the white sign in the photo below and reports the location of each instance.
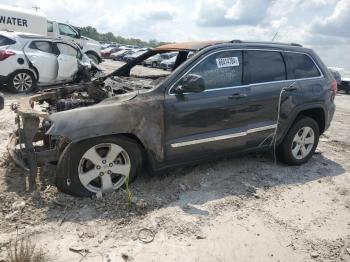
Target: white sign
(227, 62)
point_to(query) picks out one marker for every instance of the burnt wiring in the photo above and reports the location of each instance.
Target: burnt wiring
(274, 138)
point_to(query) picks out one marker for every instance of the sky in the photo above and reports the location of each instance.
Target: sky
(323, 25)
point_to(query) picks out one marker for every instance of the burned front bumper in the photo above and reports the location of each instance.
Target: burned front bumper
(29, 146)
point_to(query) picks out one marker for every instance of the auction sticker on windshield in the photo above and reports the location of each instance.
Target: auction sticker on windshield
(227, 61)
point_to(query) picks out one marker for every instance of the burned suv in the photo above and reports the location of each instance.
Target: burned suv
(228, 97)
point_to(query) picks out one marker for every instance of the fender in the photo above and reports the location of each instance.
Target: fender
(288, 119)
(95, 54)
(139, 115)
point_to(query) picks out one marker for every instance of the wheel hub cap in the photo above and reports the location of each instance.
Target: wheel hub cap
(22, 81)
(303, 142)
(104, 167)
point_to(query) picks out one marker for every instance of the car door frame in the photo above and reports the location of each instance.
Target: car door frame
(60, 59)
(27, 49)
(172, 145)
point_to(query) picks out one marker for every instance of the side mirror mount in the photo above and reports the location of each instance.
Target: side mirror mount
(190, 84)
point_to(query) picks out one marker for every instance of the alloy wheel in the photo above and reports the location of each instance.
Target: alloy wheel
(22, 82)
(104, 168)
(303, 142)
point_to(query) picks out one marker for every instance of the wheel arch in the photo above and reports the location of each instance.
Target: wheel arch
(147, 156)
(314, 111)
(95, 54)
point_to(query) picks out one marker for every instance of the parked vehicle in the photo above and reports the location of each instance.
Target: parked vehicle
(2, 101)
(168, 64)
(28, 21)
(132, 56)
(106, 53)
(211, 105)
(345, 80)
(336, 75)
(155, 60)
(118, 56)
(27, 60)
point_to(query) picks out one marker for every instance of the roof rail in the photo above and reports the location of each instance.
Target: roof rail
(236, 41)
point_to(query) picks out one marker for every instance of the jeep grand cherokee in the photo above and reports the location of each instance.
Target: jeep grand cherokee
(228, 97)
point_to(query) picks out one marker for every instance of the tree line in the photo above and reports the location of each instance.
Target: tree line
(91, 32)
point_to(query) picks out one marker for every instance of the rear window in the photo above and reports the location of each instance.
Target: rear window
(43, 46)
(6, 41)
(264, 66)
(300, 66)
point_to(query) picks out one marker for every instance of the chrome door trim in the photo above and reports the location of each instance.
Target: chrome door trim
(222, 137)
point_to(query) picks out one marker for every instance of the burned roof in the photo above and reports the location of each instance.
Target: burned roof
(190, 46)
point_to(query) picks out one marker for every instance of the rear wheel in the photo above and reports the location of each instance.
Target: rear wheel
(300, 142)
(98, 165)
(154, 64)
(21, 82)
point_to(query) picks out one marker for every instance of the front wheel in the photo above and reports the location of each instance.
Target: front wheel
(300, 142)
(94, 58)
(98, 165)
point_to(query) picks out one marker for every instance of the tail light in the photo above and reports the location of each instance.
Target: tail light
(6, 54)
(334, 87)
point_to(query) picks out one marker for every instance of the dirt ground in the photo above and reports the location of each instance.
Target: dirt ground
(244, 208)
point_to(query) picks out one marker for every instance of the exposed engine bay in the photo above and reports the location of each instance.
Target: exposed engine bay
(70, 97)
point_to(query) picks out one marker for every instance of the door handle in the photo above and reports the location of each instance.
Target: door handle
(290, 88)
(237, 96)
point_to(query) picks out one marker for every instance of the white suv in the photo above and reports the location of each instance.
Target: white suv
(28, 60)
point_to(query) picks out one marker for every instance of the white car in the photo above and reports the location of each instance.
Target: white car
(28, 60)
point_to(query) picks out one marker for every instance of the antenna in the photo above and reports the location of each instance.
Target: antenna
(274, 36)
(36, 8)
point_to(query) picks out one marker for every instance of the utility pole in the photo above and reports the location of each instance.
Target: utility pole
(274, 37)
(36, 8)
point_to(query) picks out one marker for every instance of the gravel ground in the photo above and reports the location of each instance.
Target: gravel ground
(242, 208)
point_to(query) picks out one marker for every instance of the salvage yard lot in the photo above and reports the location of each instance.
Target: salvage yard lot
(244, 208)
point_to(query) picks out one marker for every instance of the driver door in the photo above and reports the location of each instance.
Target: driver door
(211, 122)
(67, 62)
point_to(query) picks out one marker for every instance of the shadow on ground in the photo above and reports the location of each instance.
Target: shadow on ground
(183, 187)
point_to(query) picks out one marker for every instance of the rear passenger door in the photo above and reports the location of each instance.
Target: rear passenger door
(265, 75)
(198, 125)
(41, 55)
(302, 68)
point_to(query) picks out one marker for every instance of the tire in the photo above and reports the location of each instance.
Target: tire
(94, 58)
(21, 81)
(2, 101)
(154, 64)
(303, 125)
(72, 169)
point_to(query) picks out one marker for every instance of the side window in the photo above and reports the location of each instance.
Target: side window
(264, 66)
(300, 66)
(43, 46)
(67, 30)
(67, 49)
(49, 27)
(6, 41)
(223, 69)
